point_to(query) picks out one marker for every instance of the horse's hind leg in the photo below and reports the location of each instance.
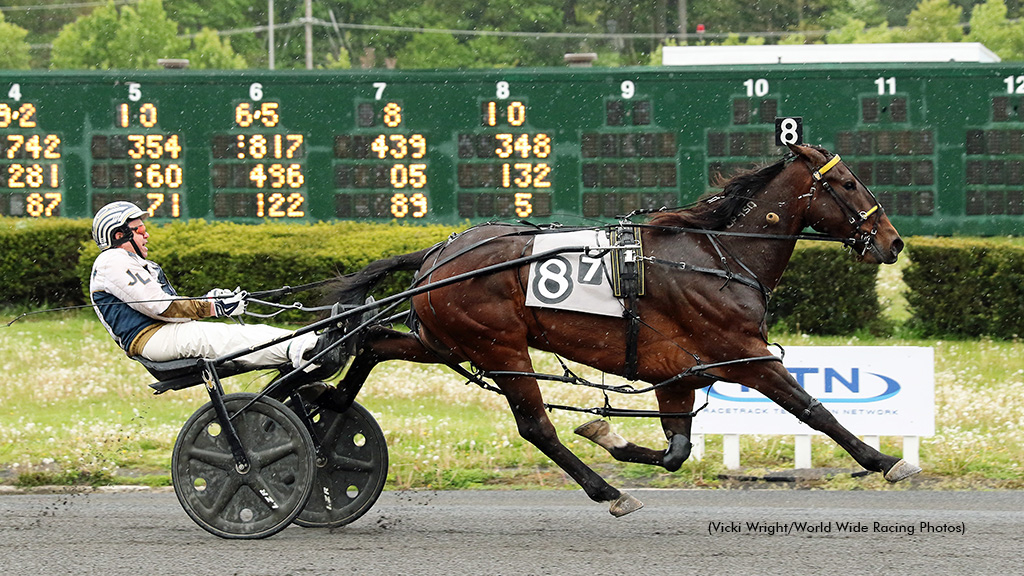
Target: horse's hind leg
(524, 398)
(778, 385)
(677, 430)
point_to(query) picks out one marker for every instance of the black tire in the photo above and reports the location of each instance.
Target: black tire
(353, 474)
(263, 500)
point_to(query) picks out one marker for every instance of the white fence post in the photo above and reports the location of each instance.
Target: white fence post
(912, 450)
(697, 447)
(802, 451)
(873, 441)
(731, 451)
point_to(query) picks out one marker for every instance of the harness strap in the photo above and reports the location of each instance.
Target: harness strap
(723, 274)
(627, 279)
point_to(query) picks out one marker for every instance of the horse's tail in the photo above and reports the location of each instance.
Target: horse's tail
(353, 288)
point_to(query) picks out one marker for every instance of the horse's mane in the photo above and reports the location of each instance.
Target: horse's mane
(715, 210)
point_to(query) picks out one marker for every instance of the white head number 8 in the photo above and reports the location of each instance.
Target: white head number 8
(788, 130)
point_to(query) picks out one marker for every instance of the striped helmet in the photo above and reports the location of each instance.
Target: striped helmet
(112, 218)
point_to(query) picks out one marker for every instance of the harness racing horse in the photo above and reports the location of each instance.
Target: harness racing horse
(709, 272)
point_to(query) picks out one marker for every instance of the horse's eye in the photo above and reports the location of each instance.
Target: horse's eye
(850, 185)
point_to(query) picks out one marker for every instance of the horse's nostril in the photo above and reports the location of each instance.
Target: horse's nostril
(897, 246)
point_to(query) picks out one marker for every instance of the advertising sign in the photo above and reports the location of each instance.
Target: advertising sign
(871, 390)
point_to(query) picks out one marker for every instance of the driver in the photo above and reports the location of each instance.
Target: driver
(146, 317)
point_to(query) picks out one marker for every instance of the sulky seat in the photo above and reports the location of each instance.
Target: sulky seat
(187, 372)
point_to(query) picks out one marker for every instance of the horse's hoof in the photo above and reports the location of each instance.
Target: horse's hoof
(901, 471)
(593, 429)
(624, 505)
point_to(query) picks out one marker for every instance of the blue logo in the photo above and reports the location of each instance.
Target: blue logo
(835, 387)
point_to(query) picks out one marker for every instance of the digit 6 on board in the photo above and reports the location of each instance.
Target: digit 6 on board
(789, 130)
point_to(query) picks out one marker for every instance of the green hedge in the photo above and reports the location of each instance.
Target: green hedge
(38, 260)
(966, 287)
(826, 291)
(956, 286)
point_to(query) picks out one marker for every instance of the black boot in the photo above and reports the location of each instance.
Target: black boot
(336, 357)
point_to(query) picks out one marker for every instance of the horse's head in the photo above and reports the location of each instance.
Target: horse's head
(840, 205)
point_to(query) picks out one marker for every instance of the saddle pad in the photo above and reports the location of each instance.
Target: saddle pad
(572, 280)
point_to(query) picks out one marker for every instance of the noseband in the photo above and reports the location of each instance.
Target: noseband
(857, 218)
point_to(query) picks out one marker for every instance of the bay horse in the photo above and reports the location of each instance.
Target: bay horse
(709, 272)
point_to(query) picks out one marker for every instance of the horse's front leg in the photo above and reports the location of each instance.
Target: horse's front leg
(774, 381)
(672, 400)
(525, 400)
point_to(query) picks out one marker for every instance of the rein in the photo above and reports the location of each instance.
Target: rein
(83, 306)
(813, 236)
(251, 297)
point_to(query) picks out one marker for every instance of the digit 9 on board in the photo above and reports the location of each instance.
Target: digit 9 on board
(629, 162)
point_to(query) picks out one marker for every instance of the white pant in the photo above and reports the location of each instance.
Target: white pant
(214, 339)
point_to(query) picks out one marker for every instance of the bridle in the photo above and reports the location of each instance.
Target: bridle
(857, 218)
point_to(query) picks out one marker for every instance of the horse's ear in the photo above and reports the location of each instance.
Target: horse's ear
(799, 150)
(806, 152)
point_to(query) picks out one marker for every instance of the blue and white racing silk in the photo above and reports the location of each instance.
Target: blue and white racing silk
(132, 296)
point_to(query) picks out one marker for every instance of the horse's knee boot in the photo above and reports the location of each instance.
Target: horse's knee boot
(678, 451)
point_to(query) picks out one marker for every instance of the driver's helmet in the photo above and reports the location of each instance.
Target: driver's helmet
(112, 218)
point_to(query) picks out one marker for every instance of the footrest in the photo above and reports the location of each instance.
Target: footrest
(186, 372)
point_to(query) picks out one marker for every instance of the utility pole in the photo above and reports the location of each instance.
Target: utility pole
(682, 23)
(309, 34)
(270, 32)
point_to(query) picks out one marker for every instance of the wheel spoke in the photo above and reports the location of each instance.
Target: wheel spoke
(224, 496)
(269, 456)
(329, 435)
(221, 460)
(265, 493)
(353, 465)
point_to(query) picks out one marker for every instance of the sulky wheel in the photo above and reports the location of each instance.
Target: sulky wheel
(253, 503)
(351, 477)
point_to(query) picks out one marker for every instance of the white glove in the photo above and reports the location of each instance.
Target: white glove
(219, 293)
(231, 305)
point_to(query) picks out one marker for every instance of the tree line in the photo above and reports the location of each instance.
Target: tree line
(233, 34)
